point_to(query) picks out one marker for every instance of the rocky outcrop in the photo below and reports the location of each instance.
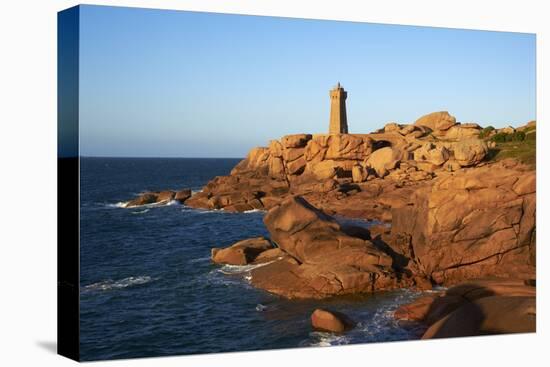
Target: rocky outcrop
(331, 321)
(243, 252)
(183, 195)
(159, 197)
(454, 216)
(305, 163)
(323, 260)
(471, 224)
(142, 199)
(479, 307)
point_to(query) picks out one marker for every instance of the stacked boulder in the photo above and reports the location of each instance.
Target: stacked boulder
(301, 163)
(444, 126)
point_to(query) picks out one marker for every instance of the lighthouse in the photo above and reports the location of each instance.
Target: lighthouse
(338, 119)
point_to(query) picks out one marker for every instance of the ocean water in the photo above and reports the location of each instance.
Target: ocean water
(148, 287)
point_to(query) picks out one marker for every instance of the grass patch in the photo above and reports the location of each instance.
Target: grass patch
(523, 151)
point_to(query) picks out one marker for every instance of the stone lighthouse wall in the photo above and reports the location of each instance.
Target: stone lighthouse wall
(338, 119)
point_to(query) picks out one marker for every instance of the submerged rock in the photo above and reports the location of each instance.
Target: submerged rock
(331, 321)
(142, 199)
(159, 197)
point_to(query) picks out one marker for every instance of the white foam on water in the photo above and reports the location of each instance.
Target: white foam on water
(233, 275)
(123, 204)
(109, 284)
(223, 211)
(120, 204)
(173, 202)
(240, 269)
(253, 211)
(208, 211)
(141, 211)
(322, 339)
(199, 260)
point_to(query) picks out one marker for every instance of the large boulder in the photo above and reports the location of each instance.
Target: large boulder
(471, 225)
(295, 141)
(323, 259)
(340, 147)
(276, 168)
(183, 195)
(331, 321)
(275, 149)
(256, 160)
(461, 132)
(433, 307)
(478, 307)
(242, 252)
(157, 197)
(323, 170)
(432, 153)
(142, 199)
(382, 160)
(437, 121)
(469, 152)
(391, 127)
(359, 173)
(311, 236)
(487, 316)
(165, 196)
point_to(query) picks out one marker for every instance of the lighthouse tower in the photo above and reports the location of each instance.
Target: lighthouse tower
(338, 119)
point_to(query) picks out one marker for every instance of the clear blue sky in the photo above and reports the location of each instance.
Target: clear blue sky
(183, 84)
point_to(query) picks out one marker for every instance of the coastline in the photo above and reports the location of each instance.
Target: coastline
(454, 213)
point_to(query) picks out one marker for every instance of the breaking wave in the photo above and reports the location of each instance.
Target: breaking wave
(241, 269)
(120, 204)
(107, 285)
(141, 211)
(253, 211)
(323, 339)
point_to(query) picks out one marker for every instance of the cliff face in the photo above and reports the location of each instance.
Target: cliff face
(475, 224)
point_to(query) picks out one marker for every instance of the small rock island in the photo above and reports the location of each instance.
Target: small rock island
(454, 205)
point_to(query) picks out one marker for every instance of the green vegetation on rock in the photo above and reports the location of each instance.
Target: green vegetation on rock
(503, 137)
(523, 151)
(485, 132)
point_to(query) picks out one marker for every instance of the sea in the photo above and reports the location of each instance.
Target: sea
(148, 287)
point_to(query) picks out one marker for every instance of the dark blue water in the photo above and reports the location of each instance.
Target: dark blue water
(148, 287)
